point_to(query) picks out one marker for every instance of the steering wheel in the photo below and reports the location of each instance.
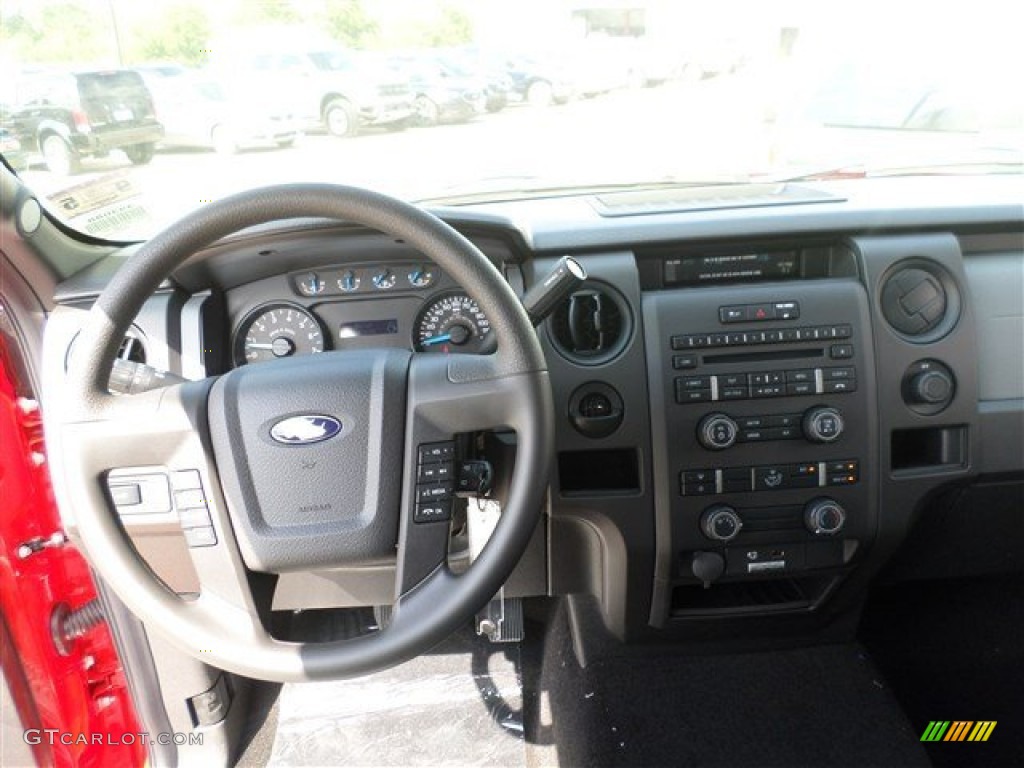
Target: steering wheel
(310, 502)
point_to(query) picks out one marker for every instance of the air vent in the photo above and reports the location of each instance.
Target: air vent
(592, 326)
(919, 300)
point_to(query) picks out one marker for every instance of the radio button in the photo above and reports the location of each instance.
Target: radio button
(733, 393)
(685, 396)
(699, 476)
(791, 334)
(773, 337)
(801, 388)
(787, 310)
(683, 342)
(680, 362)
(784, 420)
(840, 386)
(732, 314)
(834, 374)
(842, 331)
(736, 339)
(732, 380)
(823, 424)
(695, 382)
(841, 351)
(716, 432)
(800, 375)
(718, 340)
(770, 390)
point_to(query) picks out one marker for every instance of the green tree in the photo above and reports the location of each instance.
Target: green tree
(348, 22)
(260, 12)
(72, 35)
(181, 33)
(450, 26)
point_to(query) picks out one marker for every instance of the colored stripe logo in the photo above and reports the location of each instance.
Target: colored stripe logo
(958, 730)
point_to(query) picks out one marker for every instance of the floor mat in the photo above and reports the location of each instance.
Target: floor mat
(458, 706)
(955, 651)
(823, 706)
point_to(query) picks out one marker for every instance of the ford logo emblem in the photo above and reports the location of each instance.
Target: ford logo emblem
(304, 430)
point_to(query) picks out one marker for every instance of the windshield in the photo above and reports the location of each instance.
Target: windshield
(462, 101)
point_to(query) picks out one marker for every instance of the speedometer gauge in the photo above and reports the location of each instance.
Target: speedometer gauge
(451, 322)
(274, 331)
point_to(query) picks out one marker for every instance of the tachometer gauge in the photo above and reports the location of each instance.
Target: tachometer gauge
(451, 322)
(274, 331)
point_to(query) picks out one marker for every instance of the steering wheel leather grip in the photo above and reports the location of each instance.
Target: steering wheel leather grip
(214, 426)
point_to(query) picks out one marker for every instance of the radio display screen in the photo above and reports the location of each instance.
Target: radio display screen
(703, 270)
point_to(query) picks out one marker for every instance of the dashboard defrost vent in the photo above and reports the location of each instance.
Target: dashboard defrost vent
(680, 199)
(592, 326)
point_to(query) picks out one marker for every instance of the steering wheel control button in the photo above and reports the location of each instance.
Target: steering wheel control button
(193, 498)
(823, 424)
(433, 512)
(717, 431)
(200, 537)
(435, 484)
(437, 492)
(125, 495)
(185, 479)
(720, 523)
(196, 517)
(824, 517)
(435, 473)
(436, 452)
(153, 490)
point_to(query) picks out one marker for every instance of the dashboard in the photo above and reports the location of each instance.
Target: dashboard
(756, 406)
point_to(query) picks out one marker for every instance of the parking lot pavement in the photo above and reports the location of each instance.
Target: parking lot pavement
(685, 130)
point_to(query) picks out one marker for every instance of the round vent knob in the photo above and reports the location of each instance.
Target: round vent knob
(914, 301)
(591, 326)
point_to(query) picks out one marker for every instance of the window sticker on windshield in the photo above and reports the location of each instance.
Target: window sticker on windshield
(104, 206)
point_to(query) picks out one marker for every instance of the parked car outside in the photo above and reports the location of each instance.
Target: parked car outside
(496, 83)
(65, 116)
(226, 115)
(441, 93)
(339, 89)
(529, 78)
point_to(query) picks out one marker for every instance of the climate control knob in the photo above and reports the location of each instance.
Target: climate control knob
(720, 523)
(823, 424)
(716, 432)
(824, 517)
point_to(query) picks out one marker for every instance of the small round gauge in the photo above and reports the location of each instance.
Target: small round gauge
(451, 322)
(421, 276)
(384, 279)
(274, 331)
(349, 281)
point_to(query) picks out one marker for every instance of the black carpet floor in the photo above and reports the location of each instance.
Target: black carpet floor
(955, 651)
(820, 707)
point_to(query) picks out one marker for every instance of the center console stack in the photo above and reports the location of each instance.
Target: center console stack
(764, 427)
